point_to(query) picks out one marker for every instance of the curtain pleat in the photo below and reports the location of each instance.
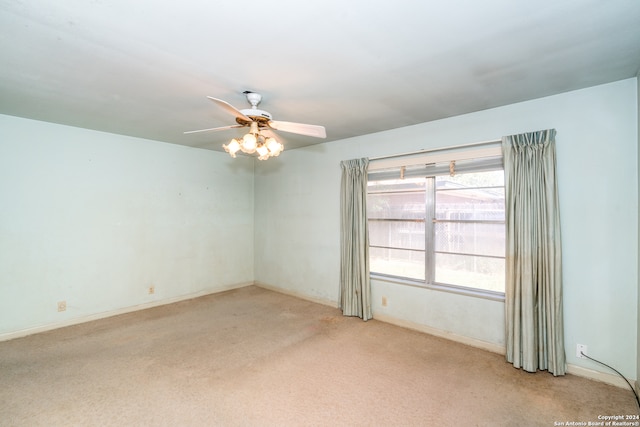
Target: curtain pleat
(355, 286)
(533, 292)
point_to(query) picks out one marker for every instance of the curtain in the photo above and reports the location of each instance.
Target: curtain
(533, 291)
(355, 286)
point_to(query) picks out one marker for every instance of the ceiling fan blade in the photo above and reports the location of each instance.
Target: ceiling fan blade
(299, 128)
(215, 129)
(230, 109)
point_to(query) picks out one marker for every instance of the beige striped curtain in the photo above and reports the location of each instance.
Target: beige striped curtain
(533, 292)
(355, 286)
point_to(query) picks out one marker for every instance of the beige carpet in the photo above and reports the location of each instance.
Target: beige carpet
(253, 357)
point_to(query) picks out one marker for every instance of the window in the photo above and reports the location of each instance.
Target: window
(436, 229)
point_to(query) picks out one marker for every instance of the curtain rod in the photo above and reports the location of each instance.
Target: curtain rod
(433, 150)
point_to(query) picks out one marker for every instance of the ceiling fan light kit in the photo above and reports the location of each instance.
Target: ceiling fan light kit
(255, 142)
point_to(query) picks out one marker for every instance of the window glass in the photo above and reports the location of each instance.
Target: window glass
(470, 271)
(445, 230)
(396, 227)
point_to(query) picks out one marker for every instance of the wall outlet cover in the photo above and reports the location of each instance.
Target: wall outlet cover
(580, 350)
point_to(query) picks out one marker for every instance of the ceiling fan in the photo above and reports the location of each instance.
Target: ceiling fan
(260, 138)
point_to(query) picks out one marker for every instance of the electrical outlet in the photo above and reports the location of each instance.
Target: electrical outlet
(62, 306)
(152, 289)
(384, 301)
(580, 350)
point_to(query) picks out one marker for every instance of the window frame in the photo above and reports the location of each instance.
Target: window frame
(475, 161)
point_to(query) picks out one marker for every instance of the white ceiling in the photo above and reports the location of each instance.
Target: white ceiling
(144, 67)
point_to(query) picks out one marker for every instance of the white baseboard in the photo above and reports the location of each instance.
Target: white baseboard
(579, 371)
(603, 377)
(494, 348)
(83, 319)
(297, 294)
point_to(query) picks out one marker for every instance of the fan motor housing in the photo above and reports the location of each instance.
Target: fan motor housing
(255, 114)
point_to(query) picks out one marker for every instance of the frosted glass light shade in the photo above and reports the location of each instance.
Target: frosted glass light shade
(232, 148)
(275, 147)
(249, 143)
(262, 150)
(254, 142)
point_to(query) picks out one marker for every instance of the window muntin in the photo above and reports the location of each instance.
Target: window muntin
(439, 229)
